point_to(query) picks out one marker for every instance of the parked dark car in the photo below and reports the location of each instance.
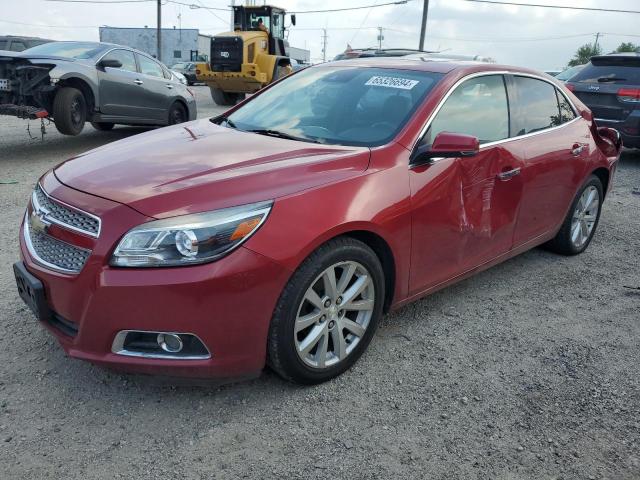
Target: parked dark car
(568, 73)
(281, 231)
(103, 83)
(14, 43)
(610, 86)
(188, 69)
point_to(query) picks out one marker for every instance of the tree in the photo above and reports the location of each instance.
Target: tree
(584, 53)
(627, 47)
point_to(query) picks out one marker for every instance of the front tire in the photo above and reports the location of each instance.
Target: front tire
(177, 114)
(223, 98)
(327, 313)
(581, 221)
(69, 111)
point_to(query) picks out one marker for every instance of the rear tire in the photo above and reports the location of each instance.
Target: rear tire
(69, 111)
(103, 126)
(318, 332)
(223, 98)
(581, 221)
(177, 114)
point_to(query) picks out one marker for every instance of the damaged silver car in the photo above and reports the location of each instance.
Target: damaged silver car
(105, 84)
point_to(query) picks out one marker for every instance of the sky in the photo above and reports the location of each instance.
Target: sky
(541, 38)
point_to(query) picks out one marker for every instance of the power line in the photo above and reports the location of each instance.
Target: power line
(211, 12)
(361, 24)
(48, 26)
(193, 6)
(98, 2)
(398, 2)
(564, 7)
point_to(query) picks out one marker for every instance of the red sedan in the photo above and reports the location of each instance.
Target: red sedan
(282, 231)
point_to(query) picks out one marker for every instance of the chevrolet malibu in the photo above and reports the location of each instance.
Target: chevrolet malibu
(281, 232)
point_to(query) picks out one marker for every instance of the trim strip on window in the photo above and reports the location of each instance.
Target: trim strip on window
(484, 74)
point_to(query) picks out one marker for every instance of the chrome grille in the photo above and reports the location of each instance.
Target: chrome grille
(54, 253)
(65, 216)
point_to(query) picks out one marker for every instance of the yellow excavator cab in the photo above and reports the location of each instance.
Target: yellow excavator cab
(249, 58)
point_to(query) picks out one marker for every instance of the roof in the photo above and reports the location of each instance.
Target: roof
(427, 64)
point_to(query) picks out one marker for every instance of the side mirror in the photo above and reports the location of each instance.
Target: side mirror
(293, 20)
(109, 63)
(446, 145)
(587, 115)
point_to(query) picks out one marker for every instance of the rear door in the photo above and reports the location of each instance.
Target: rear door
(119, 89)
(155, 90)
(465, 209)
(555, 143)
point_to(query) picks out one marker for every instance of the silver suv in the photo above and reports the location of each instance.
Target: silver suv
(105, 84)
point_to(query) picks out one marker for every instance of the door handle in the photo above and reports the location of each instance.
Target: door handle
(509, 174)
(577, 149)
(169, 86)
(138, 82)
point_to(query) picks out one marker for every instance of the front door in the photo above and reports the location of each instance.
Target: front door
(119, 92)
(465, 209)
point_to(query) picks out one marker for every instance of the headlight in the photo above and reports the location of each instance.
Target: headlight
(189, 239)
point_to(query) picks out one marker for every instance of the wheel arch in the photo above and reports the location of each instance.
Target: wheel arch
(603, 174)
(181, 102)
(384, 253)
(85, 88)
(374, 240)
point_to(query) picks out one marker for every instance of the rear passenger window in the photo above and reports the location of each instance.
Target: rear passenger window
(478, 107)
(537, 105)
(566, 111)
(150, 67)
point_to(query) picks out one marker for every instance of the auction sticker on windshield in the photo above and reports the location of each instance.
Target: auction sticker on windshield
(392, 82)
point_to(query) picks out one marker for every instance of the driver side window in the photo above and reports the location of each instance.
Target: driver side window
(478, 107)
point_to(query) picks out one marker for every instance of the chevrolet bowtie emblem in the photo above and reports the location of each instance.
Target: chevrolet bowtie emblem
(37, 222)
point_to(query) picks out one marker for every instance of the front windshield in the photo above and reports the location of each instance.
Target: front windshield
(77, 50)
(338, 105)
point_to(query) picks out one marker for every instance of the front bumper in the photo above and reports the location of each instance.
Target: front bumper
(228, 304)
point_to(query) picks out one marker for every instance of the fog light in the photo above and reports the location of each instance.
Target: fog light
(170, 342)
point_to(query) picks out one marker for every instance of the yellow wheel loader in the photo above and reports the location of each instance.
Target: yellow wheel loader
(250, 57)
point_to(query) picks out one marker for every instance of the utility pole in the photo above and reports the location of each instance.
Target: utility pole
(233, 20)
(595, 45)
(380, 38)
(423, 28)
(324, 44)
(159, 31)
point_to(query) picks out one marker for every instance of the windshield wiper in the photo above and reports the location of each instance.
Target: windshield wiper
(279, 134)
(611, 79)
(223, 119)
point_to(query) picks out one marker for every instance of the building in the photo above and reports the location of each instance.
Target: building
(178, 44)
(300, 54)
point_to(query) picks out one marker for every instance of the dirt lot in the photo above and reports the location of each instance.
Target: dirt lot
(529, 370)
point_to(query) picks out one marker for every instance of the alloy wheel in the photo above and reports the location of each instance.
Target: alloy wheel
(585, 216)
(76, 112)
(334, 314)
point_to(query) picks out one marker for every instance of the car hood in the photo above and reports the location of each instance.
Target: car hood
(199, 166)
(26, 56)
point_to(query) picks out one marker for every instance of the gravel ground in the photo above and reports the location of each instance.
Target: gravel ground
(528, 370)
